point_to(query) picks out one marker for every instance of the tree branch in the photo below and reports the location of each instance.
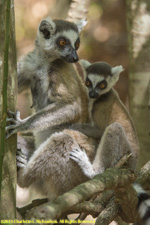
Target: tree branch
(108, 214)
(110, 179)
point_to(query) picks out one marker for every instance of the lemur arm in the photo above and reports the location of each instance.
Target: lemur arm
(53, 115)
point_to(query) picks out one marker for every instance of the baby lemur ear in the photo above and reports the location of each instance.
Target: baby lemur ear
(117, 70)
(84, 63)
(47, 27)
(81, 24)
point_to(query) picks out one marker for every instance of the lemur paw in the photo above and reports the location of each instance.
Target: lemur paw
(21, 159)
(14, 121)
(83, 161)
(78, 156)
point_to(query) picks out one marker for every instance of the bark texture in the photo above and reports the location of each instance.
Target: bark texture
(8, 195)
(78, 10)
(138, 20)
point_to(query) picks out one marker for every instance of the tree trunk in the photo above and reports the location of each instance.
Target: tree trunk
(8, 188)
(138, 20)
(78, 10)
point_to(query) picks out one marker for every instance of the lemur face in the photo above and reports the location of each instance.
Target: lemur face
(67, 44)
(60, 36)
(100, 77)
(96, 84)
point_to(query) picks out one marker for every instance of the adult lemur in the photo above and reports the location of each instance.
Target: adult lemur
(59, 97)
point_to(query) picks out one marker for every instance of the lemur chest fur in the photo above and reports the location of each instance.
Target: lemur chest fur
(90, 110)
(42, 86)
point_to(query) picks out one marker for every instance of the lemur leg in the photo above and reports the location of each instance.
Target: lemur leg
(50, 164)
(113, 146)
(38, 166)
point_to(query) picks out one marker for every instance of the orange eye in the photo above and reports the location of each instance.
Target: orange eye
(77, 45)
(102, 86)
(62, 43)
(87, 83)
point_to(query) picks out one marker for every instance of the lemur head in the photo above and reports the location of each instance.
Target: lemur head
(100, 77)
(60, 36)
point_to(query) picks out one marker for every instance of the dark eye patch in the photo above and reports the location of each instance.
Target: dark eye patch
(62, 39)
(77, 43)
(88, 83)
(102, 85)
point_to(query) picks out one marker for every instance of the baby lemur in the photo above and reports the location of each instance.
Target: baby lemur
(108, 113)
(119, 138)
(59, 98)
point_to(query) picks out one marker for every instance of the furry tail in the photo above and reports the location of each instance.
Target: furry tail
(143, 204)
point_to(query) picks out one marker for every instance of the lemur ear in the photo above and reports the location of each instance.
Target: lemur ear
(47, 27)
(84, 63)
(117, 70)
(81, 24)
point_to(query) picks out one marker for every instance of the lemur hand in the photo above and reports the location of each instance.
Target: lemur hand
(16, 123)
(21, 159)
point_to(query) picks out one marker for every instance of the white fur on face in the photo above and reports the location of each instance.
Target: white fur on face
(111, 80)
(95, 79)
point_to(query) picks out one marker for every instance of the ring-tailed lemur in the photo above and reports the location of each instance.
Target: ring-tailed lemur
(143, 204)
(119, 138)
(59, 97)
(108, 113)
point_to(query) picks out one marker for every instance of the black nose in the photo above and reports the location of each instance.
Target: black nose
(93, 94)
(75, 56)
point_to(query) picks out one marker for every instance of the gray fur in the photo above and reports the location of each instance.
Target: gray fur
(59, 97)
(99, 68)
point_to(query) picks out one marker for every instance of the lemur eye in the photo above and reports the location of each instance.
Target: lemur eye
(77, 44)
(102, 86)
(87, 83)
(62, 43)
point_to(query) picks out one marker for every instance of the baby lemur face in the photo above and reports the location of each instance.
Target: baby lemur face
(60, 36)
(100, 77)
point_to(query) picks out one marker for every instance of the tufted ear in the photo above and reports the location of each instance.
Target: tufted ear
(81, 24)
(84, 63)
(116, 70)
(47, 27)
